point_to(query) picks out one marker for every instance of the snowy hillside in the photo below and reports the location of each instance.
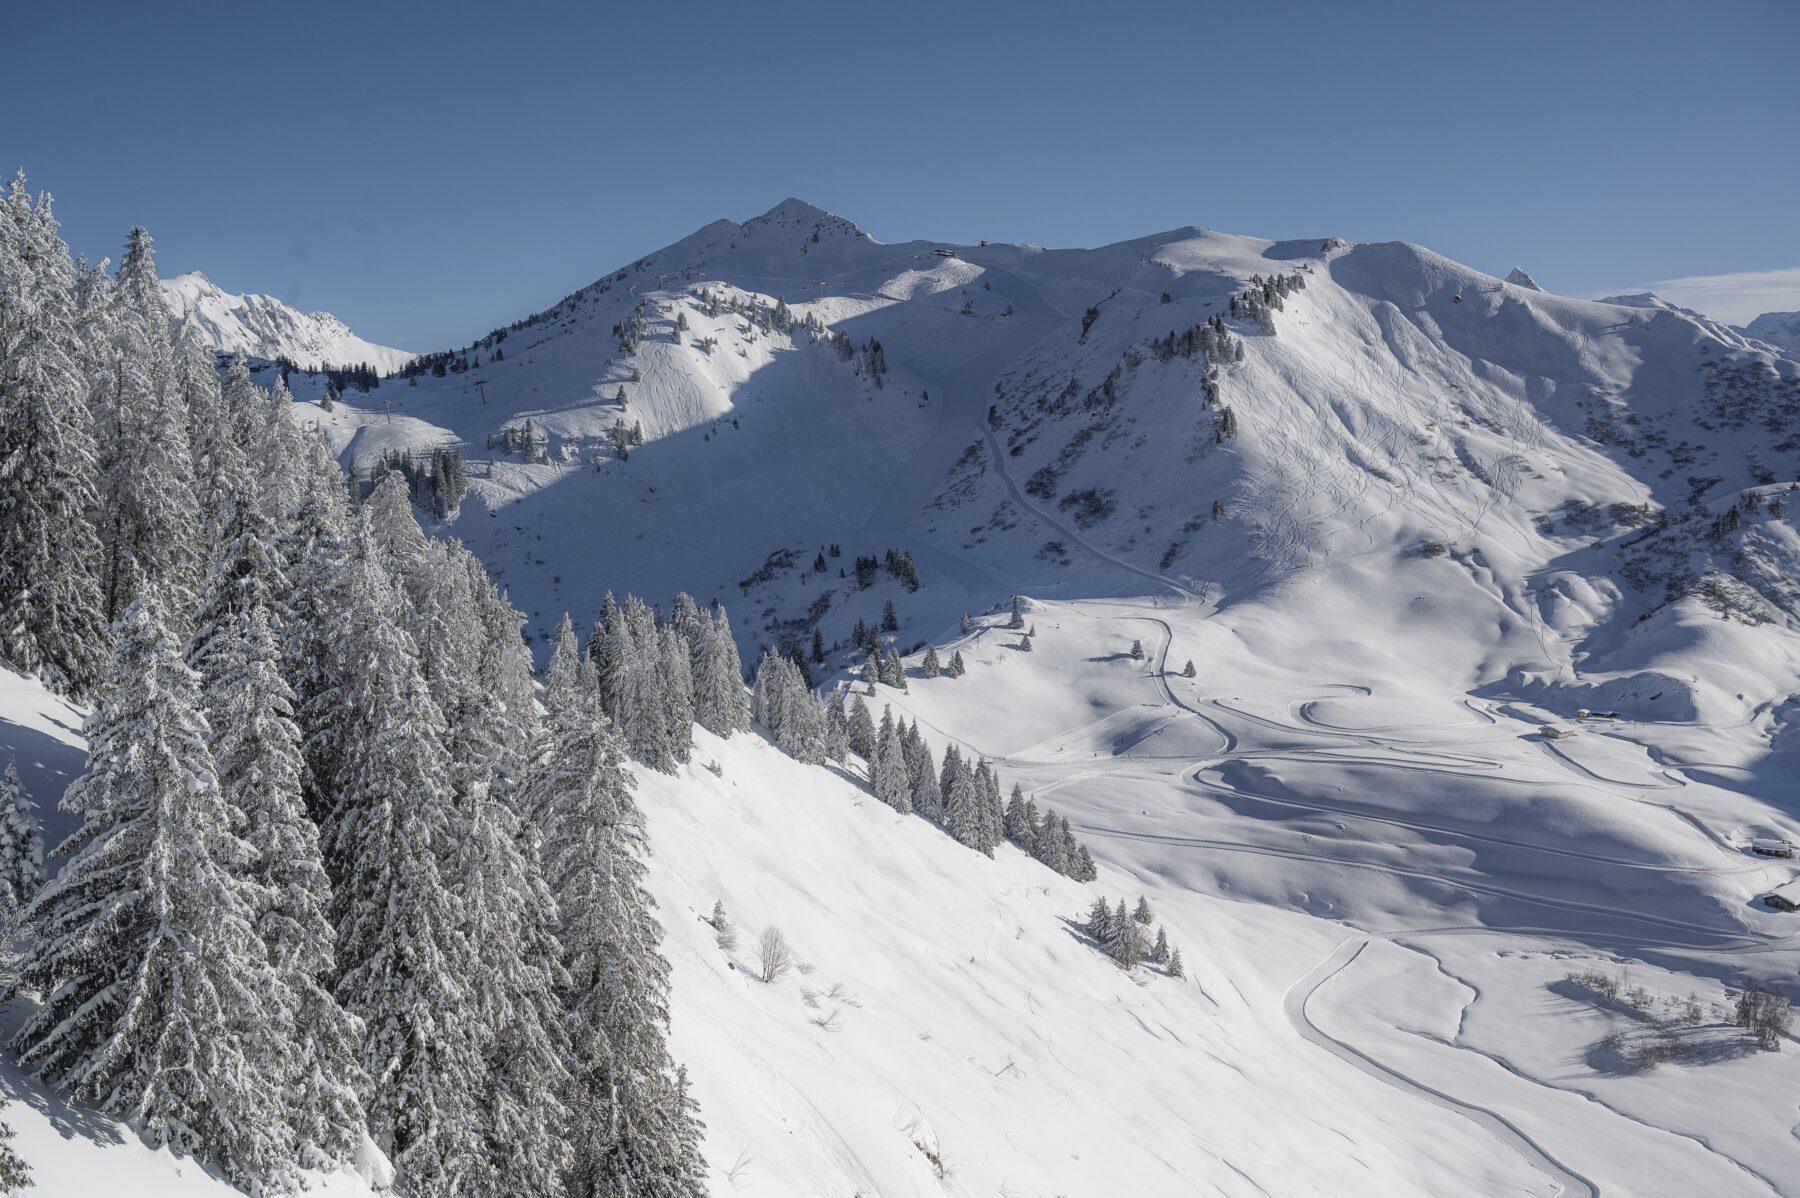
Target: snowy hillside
(260, 326)
(1406, 514)
(1422, 646)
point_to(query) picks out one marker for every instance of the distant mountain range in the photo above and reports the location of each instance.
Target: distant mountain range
(261, 326)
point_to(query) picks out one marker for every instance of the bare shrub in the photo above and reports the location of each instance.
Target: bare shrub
(773, 955)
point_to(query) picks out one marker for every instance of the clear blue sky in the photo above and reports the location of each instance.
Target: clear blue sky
(428, 171)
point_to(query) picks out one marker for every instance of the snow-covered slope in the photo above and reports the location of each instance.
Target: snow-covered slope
(261, 326)
(1446, 508)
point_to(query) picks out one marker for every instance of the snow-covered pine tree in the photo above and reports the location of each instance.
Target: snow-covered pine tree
(883, 732)
(144, 945)
(563, 674)
(148, 515)
(1143, 913)
(608, 647)
(1188, 671)
(1137, 650)
(1050, 846)
(801, 720)
(645, 710)
(1174, 966)
(511, 921)
(963, 806)
(894, 671)
(248, 574)
(837, 728)
(890, 780)
(633, 1129)
(993, 818)
(15, 1174)
(1017, 619)
(931, 667)
(51, 622)
(921, 773)
(1082, 867)
(1159, 952)
(21, 841)
(721, 705)
(872, 671)
(675, 681)
(862, 729)
(221, 474)
(405, 963)
(1017, 824)
(957, 669)
(1126, 942)
(765, 692)
(1099, 921)
(256, 750)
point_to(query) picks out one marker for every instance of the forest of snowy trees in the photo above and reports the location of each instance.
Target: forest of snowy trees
(336, 878)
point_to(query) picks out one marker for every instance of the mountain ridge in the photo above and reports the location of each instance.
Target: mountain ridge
(261, 326)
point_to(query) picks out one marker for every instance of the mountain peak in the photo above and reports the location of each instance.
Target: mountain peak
(1518, 278)
(795, 208)
(796, 214)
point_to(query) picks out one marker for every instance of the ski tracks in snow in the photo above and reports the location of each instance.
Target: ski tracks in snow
(1295, 1003)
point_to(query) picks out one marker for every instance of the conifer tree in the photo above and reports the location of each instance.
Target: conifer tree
(957, 670)
(256, 750)
(963, 807)
(889, 772)
(1137, 650)
(932, 667)
(1143, 914)
(1174, 967)
(15, 1174)
(862, 729)
(1017, 824)
(721, 705)
(837, 728)
(633, 1129)
(1099, 921)
(922, 778)
(144, 945)
(21, 842)
(405, 964)
(1051, 845)
(1159, 952)
(50, 603)
(1126, 942)
(1017, 619)
(1082, 868)
(216, 438)
(1188, 671)
(148, 515)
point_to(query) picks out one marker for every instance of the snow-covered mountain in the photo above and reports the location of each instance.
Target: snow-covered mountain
(1780, 329)
(261, 326)
(1406, 514)
(1316, 538)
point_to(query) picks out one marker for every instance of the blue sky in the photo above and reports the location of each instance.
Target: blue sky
(429, 171)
